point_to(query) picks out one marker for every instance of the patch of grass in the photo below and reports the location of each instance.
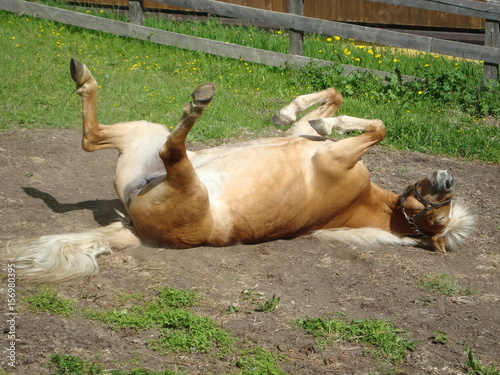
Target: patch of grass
(181, 329)
(439, 337)
(440, 283)
(71, 365)
(250, 302)
(474, 366)
(388, 340)
(47, 299)
(66, 364)
(441, 114)
(270, 305)
(258, 361)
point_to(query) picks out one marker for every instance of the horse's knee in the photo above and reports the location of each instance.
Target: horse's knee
(334, 97)
(378, 129)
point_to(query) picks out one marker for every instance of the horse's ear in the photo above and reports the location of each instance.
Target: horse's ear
(439, 243)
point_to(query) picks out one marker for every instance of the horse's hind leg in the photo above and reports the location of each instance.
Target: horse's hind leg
(330, 101)
(176, 210)
(92, 132)
(174, 152)
(139, 142)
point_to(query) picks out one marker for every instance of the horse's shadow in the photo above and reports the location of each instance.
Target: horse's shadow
(104, 211)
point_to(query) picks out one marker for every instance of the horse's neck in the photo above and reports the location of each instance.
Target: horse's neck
(384, 211)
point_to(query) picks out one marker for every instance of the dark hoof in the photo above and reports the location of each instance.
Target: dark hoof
(319, 126)
(203, 94)
(77, 71)
(281, 120)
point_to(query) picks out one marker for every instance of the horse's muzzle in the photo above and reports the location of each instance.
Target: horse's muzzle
(442, 181)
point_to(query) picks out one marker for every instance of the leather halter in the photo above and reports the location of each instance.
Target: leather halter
(412, 220)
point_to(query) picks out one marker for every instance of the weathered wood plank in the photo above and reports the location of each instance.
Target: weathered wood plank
(492, 38)
(296, 37)
(361, 33)
(462, 7)
(169, 38)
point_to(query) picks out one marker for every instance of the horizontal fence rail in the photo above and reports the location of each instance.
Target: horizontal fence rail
(172, 39)
(489, 54)
(343, 30)
(471, 8)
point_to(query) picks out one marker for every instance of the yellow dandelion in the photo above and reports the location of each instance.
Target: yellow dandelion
(328, 39)
(337, 38)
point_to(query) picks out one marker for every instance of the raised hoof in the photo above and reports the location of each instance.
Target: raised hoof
(77, 71)
(281, 120)
(319, 126)
(203, 94)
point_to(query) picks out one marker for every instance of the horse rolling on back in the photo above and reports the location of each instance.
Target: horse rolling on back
(301, 184)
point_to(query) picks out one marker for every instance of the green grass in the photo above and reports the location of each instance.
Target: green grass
(442, 284)
(258, 361)
(443, 114)
(71, 365)
(181, 330)
(47, 299)
(474, 367)
(388, 341)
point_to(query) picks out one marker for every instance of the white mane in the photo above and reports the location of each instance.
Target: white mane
(461, 226)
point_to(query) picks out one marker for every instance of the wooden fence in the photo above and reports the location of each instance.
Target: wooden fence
(356, 11)
(489, 54)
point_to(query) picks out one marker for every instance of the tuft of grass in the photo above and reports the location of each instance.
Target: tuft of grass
(440, 337)
(270, 305)
(474, 367)
(66, 364)
(388, 340)
(258, 361)
(440, 283)
(181, 330)
(71, 365)
(47, 299)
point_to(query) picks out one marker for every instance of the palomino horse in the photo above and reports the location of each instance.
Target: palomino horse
(250, 192)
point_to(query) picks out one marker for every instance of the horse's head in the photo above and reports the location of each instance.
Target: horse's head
(427, 207)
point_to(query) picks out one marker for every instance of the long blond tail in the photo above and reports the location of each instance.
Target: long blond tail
(66, 257)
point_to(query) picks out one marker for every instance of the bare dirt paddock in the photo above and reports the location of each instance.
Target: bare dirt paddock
(49, 185)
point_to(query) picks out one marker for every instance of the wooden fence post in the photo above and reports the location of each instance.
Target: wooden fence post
(297, 37)
(491, 39)
(136, 12)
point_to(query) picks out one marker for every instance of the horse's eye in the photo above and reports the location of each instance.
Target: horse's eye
(440, 220)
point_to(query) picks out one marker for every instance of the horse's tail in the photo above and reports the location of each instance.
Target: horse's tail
(65, 257)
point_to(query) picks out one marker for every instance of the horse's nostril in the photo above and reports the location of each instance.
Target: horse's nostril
(448, 184)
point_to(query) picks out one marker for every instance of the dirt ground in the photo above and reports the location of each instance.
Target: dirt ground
(49, 185)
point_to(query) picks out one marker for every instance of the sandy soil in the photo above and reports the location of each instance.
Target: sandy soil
(49, 185)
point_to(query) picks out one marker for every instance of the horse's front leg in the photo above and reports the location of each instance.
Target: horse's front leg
(330, 101)
(350, 150)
